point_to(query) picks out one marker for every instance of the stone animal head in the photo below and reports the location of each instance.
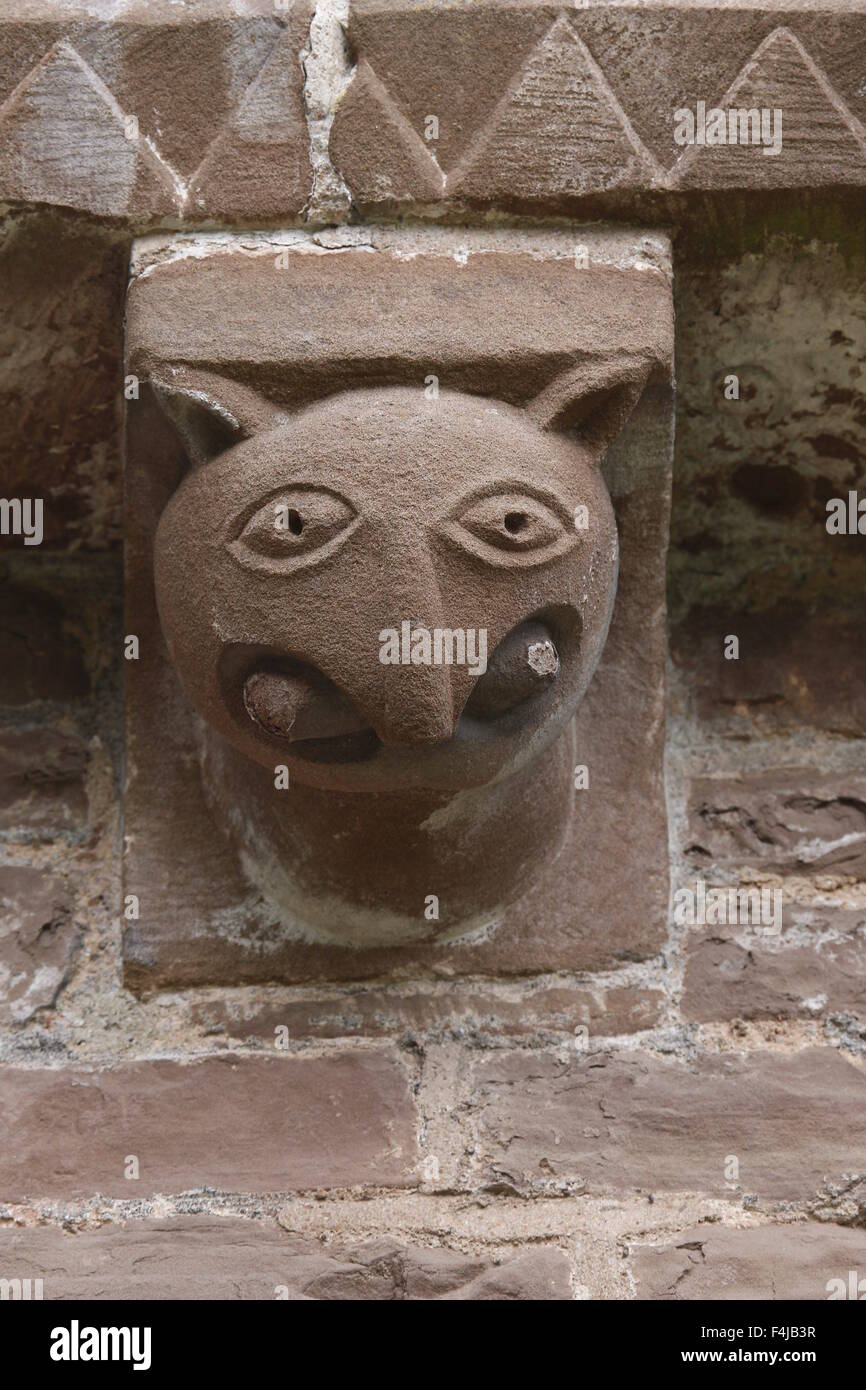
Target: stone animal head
(385, 591)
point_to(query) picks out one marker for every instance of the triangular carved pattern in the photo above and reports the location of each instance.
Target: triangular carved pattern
(132, 177)
(559, 116)
(64, 140)
(828, 141)
(120, 178)
(838, 138)
(255, 165)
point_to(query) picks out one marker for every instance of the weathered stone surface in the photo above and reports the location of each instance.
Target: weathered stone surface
(186, 74)
(816, 967)
(477, 810)
(818, 129)
(259, 164)
(610, 1122)
(61, 390)
(450, 1009)
(38, 940)
(795, 669)
(239, 1124)
(788, 820)
(539, 106)
(562, 121)
(419, 289)
(42, 791)
(420, 66)
(389, 161)
(207, 1257)
(194, 1258)
(539, 1275)
(385, 1270)
(556, 116)
(771, 337)
(40, 658)
(380, 1270)
(761, 1263)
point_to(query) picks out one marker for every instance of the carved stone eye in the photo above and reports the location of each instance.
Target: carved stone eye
(512, 527)
(295, 526)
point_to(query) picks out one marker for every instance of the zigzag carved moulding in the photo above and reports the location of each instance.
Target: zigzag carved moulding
(493, 103)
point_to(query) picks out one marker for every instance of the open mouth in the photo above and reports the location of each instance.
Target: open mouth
(296, 704)
(339, 748)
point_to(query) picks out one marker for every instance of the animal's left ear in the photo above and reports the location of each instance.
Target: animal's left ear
(594, 398)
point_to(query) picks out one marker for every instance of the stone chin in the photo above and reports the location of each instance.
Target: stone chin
(338, 868)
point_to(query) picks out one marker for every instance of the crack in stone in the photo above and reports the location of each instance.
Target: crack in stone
(328, 70)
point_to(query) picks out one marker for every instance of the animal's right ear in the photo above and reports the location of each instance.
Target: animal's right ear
(211, 413)
(595, 398)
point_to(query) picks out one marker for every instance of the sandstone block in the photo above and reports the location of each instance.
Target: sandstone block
(241, 1124)
(763, 1263)
(615, 1122)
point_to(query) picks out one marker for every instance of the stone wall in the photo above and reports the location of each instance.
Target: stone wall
(692, 1124)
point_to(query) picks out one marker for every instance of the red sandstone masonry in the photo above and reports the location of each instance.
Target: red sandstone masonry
(615, 1122)
(39, 659)
(549, 106)
(38, 941)
(42, 791)
(541, 107)
(732, 972)
(544, 107)
(767, 1262)
(217, 100)
(787, 820)
(499, 329)
(455, 1009)
(61, 291)
(795, 669)
(229, 1258)
(239, 1124)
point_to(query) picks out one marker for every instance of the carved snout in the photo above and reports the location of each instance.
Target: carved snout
(301, 708)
